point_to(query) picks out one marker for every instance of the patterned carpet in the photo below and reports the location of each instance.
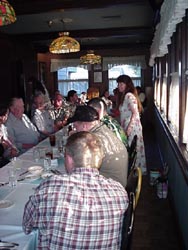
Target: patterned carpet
(154, 227)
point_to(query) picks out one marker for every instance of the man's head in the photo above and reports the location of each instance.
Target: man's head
(83, 150)
(39, 101)
(98, 104)
(84, 118)
(58, 100)
(17, 107)
(72, 96)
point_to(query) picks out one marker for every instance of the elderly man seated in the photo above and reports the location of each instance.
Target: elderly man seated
(41, 117)
(81, 210)
(115, 162)
(21, 130)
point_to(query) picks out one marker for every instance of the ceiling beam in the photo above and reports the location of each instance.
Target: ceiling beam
(93, 33)
(23, 7)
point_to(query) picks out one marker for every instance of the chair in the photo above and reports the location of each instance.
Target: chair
(132, 154)
(134, 183)
(128, 222)
(133, 188)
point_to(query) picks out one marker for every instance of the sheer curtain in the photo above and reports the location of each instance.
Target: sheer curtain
(57, 64)
(110, 62)
(164, 93)
(157, 91)
(173, 109)
(185, 128)
(172, 12)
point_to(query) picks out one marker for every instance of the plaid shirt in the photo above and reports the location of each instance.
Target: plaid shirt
(83, 210)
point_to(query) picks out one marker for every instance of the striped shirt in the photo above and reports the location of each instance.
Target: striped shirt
(83, 210)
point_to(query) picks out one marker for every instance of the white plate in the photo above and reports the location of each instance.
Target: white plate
(46, 175)
(6, 203)
(35, 170)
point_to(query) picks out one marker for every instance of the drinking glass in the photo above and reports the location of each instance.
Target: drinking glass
(36, 154)
(12, 177)
(47, 163)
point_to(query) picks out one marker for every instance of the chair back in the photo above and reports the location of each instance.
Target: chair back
(128, 222)
(132, 154)
(133, 188)
(134, 183)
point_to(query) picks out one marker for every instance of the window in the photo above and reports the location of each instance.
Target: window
(173, 109)
(72, 78)
(133, 71)
(164, 93)
(185, 124)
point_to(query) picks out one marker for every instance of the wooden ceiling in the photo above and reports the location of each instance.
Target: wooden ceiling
(95, 24)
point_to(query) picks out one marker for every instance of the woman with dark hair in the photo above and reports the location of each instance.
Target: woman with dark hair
(130, 108)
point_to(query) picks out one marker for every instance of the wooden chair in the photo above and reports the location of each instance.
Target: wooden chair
(132, 152)
(128, 222)
(134, 183)
(133, 188)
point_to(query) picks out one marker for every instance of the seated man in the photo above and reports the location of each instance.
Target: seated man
(59, 111)
(81, 210)
(21, 130)
(115, 162)
(41, 117)
(111, 123)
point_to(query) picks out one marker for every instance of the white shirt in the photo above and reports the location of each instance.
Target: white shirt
(43, 121)
(21, 131)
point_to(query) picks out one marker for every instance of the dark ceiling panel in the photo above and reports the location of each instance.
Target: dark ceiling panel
(95, 24)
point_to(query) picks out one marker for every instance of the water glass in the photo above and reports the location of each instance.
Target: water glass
(47, 163)
(16, 163)
(12, 177)
(36, 154)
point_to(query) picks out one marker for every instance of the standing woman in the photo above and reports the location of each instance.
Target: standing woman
(130, 108)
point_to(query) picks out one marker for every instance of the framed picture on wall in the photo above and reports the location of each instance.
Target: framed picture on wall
(42, 72)
(97, 76)
(97, 67)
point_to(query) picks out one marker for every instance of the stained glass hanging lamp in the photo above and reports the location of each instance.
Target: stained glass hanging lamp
(7, 13)
(64, 44)
(90, 58)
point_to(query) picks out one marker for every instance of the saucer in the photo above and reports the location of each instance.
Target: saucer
(6, 203)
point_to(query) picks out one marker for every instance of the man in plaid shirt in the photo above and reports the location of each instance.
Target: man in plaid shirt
(80, 210)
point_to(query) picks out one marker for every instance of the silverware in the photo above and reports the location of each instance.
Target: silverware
(24, 173)
(55, 171)
(7, 244)
(3, 184)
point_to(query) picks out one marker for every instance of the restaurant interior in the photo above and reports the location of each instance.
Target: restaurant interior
(150, 34)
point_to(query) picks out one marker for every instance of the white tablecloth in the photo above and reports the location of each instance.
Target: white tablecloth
(11, 218)
(16, 235)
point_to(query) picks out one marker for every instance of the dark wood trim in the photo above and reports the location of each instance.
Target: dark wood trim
(179, 151)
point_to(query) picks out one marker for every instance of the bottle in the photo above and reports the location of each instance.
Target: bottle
(70, 129)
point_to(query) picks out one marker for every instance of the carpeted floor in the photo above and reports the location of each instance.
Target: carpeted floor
(154, 227)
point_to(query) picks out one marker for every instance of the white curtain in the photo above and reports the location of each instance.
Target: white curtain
(185, 128)
(172, 12)
(164, 93)
(110, 62)
(57, 64)
(174, 102)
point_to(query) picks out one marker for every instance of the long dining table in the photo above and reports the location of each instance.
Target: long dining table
(11, 216)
